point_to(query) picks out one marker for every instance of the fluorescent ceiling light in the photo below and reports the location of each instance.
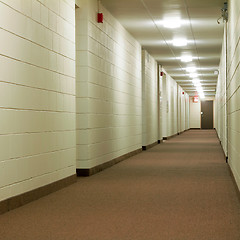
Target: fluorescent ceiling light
(191, 69)
(196, 81)
(186, 58)
(179, 42)
(172, 23)
(193, 75)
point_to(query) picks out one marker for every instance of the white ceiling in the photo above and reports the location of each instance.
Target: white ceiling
(143, 19)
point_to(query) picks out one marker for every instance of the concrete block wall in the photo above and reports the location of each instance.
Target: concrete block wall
(233, 88)
(195, 113)
(173, 107)
(109, 89)
(187, 112)
(182, 106)
(37, 94)
(150, 100)
(220, 103)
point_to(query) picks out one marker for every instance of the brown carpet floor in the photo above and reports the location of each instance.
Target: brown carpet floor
(178, 190)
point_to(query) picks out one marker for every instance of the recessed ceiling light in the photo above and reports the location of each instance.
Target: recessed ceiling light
(179, 42)
(191, 69)
(193, 75)
(186, 58)
(172, 23)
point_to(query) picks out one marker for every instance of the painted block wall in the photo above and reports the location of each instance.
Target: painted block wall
(183, 109)
(37, 94)
(150, 125)
(221, 104)
(160, 103)
(187, 126)
(195, 113)
(233, 88)
(173, 103)
(109, 90)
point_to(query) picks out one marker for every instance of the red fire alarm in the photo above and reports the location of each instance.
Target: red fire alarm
(183, 93)
(100, 18)
(161, 74)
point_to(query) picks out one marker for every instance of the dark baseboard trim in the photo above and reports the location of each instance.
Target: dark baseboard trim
(160, 141)
(195, 129)
(235, 182)
(167, 138)
(144, 148)
(91, 171)
(22, 199)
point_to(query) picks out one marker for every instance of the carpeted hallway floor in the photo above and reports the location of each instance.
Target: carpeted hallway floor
(178, 190)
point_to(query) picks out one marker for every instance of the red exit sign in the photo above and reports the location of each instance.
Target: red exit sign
(195, 99)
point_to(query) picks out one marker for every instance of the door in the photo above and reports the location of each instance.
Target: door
(207, 114)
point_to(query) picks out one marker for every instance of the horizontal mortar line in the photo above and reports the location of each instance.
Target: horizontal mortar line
(37, 176)
(231, 96)
(126, 39)
(234, 52)
(35, 110)
(233, 112)
(233, 76)
(35, 43)
(36, 66)
(106, 61)
(43, 89)
(39, 154)
(40, 22)
(32, 132)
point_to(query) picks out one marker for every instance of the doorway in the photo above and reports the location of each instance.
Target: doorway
(207, 114)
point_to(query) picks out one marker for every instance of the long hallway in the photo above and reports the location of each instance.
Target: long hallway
(178, 190)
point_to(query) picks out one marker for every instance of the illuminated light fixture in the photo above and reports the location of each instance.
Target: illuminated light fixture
(196, 82)
(179, 42)
(191, 69)
(186, 59)
(201, 95)
(172, 23)
(193, 75)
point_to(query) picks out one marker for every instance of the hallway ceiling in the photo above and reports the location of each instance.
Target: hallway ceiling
(198, 18)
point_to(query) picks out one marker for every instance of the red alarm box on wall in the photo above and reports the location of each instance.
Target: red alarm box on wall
(100, 17)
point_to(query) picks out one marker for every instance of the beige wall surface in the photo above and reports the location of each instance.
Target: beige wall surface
(109, 88)
(173, 107)
(37, 94)
(233, 88)
(228, 91)
(149, 99)
(221, 104)
(71, 93)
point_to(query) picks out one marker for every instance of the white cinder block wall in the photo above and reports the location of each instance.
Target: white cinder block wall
(109, 96)
(183, 109)
(220, 103)
(233, 91)
(195, 113)
(173, 107)
(150, 127)
(187, 123)
(37, 94)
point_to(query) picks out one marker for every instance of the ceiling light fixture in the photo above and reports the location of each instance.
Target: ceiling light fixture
(193, 75)
(172, 23)
(186, 58)
(191, 69)
(179, 42)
